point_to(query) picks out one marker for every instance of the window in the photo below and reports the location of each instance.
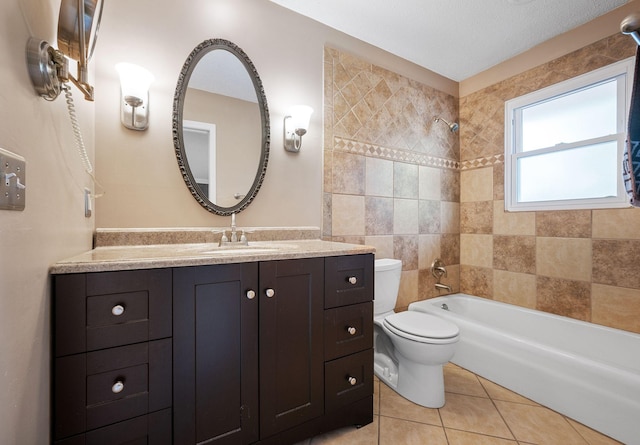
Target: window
(564, 143)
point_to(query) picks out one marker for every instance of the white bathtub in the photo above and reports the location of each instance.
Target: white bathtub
(585, 371)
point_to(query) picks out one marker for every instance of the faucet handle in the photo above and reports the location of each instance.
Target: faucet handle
(437, 269)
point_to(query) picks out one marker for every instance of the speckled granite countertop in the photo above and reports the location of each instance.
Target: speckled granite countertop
(185, 235)
(112, 258)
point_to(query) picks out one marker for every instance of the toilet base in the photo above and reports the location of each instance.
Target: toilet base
(386, 370)
(422, 384)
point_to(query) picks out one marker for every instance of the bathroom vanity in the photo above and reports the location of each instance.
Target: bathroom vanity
(190, 343)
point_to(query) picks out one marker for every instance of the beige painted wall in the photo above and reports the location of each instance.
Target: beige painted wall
(51, 227)
(287, 51)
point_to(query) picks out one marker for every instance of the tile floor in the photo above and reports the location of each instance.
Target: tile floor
(477, 412)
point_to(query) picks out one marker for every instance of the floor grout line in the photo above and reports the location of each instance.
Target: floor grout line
(497, 409)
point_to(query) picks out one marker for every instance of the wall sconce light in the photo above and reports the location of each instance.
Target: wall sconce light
(296, 124)
(134, 95)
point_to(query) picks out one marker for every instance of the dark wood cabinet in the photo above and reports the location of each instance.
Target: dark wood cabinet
(257, 365)
(263, 353)
(291, 343)
(215, 365)
(112, 355)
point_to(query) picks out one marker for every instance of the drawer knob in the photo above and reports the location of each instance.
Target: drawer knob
(353, 280)
(117, 387)
(270, 293)
(352, 381)
(117, 310)
(351, 330)
(251, 294)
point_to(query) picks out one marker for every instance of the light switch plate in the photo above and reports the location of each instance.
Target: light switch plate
(13, 181)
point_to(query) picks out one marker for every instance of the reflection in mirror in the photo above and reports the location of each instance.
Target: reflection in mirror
(200, 145)
(221, 127)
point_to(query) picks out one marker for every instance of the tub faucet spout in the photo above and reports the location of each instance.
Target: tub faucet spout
(441, 286)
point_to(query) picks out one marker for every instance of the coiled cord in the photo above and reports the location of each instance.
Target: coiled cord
(84, 157)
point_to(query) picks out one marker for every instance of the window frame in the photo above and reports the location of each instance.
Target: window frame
(513, 152)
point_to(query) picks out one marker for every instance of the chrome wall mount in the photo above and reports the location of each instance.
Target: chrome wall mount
(78, 24)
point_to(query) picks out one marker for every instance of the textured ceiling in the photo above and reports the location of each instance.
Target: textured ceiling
(454, 38)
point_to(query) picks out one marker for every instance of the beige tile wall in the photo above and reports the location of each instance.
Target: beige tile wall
(391, 175)
(394, 180)
(583, 264)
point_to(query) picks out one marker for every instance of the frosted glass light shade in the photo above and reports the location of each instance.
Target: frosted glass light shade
(134, 95)
(300, 117)
(296, 124)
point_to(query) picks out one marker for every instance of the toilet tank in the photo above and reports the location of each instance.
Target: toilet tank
(387, 282)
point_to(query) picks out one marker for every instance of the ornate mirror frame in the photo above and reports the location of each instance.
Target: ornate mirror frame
(178, 140)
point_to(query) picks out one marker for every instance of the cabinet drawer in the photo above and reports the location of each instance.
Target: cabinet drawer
(340, 389)
(151, 429)
(117, 319)
(103, 387)
(347, 330)
(348, 280)
(102, 310)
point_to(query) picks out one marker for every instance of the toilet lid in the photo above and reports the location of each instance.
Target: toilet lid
(421, 325)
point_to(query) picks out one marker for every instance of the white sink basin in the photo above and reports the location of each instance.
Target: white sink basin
(237, 250)
(245, 250)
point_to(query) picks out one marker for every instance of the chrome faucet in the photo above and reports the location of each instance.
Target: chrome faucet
(224, 241)
(234, 235)
(438, 271)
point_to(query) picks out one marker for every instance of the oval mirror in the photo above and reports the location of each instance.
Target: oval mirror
(221, 127)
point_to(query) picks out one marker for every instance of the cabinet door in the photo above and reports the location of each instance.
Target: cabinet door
(291, 343)
(215, 354)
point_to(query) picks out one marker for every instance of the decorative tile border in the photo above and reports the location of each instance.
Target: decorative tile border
(412, 157)
(394, 154)
(482, 162)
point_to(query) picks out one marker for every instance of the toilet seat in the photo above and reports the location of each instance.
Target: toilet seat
(422, 327)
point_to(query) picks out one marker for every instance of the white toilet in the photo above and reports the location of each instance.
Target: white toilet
(410, 347)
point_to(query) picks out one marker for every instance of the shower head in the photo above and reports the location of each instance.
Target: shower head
(453, 126)
(631, 26)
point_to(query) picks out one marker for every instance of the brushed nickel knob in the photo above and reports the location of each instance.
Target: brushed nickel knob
(352, 381)
(270, 293)
(251, 294)
(117, 310)
(117, 387)
(351, 330)
(353, 280)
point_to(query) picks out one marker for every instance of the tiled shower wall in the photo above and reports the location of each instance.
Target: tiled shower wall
(583, 264)
(392, 177)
